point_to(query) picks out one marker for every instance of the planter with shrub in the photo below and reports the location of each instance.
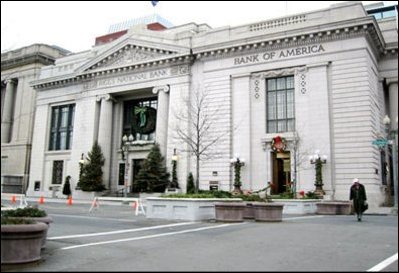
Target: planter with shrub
(21, 240)
(334, 207)
(268, 212)
(33, 214)
(195, 207)
(229, 211)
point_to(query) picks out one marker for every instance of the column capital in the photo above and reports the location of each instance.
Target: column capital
(7, 81)
(392, 80)
(105, 97)
(164, 88)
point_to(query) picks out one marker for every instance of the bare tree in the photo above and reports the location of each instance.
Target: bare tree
(300, 155)
(196, 127)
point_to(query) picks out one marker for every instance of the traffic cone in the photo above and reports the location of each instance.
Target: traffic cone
(70, 201)
(41, 200)
(13, 199)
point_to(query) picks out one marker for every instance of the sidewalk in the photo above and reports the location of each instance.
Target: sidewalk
(381, 211)
(35, 200)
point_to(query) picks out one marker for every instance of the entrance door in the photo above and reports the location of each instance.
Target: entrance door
(281, 172)
(137, 163)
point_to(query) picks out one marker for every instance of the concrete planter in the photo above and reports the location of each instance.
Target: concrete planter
(298, 206)
(193, 209)
(85, 195)
(268, 212)
(21, 243)
(249, 211)
(229, 211)
(47, 220)
(334, 208)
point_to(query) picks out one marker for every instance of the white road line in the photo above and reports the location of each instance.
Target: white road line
(118, 231)
(384, 263)
(150, 236)
(92, 217)
(302, 217)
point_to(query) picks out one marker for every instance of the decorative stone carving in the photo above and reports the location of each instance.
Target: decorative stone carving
(302, 83)
(280, 72)
(164, 88)
(126, 57)
(105, 97)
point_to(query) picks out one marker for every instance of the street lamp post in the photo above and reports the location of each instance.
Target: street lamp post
(126, 143)
(174, 183)
(81, 163)
(318, 161)
(392, 140)
(237, 164)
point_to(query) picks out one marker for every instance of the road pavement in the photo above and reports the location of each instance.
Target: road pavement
(112, 238)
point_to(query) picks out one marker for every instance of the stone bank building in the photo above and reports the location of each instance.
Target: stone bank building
(283, 89)
(18, 103)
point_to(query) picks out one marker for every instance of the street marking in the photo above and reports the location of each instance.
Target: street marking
(151, 236)
(384, 263)
(118, 231)
(303, 217)
(91, 217)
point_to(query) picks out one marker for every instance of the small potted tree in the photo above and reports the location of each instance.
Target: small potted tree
(91, 177)
(237, 163)
(190, 184)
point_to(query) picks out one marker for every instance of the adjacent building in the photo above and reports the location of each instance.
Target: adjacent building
(18, 101)
(275, 92)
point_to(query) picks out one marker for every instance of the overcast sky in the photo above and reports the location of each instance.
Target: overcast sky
(74, 25)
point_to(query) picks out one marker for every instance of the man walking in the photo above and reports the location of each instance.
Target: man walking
(358, 195)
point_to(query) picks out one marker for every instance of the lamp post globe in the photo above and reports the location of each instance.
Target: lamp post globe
(126, 143)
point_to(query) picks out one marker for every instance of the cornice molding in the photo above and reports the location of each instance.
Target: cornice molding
(295, 40)
(75, 78)
(36, 58)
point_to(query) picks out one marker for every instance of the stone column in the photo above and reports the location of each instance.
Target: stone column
(105, 134)
(393, 101)
(161, 132)
(6, 121)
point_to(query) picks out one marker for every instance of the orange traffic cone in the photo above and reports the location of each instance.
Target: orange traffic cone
(41, 200)
(70, 201)
(13, 199)
(94, 204)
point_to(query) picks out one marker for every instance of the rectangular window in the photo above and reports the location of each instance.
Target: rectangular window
(58, 166)
(139, 120)
(61, 131)
(280, 103)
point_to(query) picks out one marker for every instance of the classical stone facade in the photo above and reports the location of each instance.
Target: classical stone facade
(18, 99)
(321, 80)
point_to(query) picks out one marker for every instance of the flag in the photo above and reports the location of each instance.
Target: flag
(154, 3)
